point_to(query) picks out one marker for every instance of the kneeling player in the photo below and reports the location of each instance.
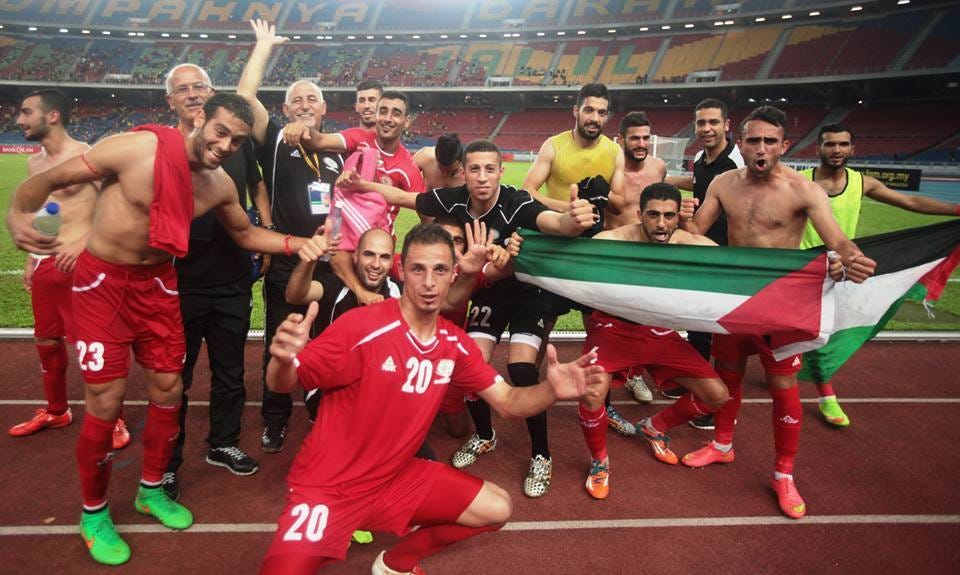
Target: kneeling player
(385, 369)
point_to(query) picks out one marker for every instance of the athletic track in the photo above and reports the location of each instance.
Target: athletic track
(883, 495)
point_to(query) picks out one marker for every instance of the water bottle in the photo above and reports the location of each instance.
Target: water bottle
(332, 225)
(48, 220)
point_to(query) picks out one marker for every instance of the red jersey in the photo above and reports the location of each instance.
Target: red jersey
(397, 170)
(382, 389)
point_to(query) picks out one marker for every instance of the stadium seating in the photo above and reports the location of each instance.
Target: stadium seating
(336, 66)
(615, 11)
(810, 50)
(873, 44)
(419, 15)
(41, 59)
(223, 62)
(687, 54)
(468, 123)
(691, 8)
(628, 61)
(404, 65)
(942, 46)
(496, 14)
(742, 52)
(580, 63)
(325, 16)
(168, 14)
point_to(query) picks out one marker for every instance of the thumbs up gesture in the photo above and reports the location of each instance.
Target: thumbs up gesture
(580, 211)
(293, 334)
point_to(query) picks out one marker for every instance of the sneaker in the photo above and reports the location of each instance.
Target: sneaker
(380, 568)
(598, 481)
(673, 392)
(707, 455)
(641, 391)
(619, 424)
(702, 422)
(362, 537)
(658, 441)
(538, 477)
(234, 459)
(789, 498)
(104, 543)
(154, 501)
(170, 485)
(472, 449)
(272, 439)
(121, 435)
(42, 419)
(829, 408)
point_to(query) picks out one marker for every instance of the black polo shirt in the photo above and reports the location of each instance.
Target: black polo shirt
(703, 174)
(287, 176)
(338, 299)
(213, 259)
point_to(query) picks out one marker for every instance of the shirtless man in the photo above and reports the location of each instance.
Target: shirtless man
(767, 205)
(44, 117)
(621, 344)
(442, 164)
(125, 287)
(640, 169)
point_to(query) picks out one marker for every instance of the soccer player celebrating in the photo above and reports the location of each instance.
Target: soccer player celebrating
(385, 369)
(640, 169)
(767, 205)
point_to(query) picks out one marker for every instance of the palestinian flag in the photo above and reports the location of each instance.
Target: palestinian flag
(912, 264)
(785, 295)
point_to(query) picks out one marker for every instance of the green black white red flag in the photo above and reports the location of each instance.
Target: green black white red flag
(785, 295)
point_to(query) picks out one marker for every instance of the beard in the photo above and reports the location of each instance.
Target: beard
(826, 161)
(38, 133)
(586, 136)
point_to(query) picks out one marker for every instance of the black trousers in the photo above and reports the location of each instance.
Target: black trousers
(277, 407)
(701, 341)
(221, 316)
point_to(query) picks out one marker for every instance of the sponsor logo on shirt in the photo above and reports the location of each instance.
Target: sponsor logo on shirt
(295, 153)
(796, 361)
(444, 370)
(389, 365)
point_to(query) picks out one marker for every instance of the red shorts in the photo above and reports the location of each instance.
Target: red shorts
(621, 345)
(453, 401)
(51, 298)
(730, 348)
(118, 306)
(319, 522)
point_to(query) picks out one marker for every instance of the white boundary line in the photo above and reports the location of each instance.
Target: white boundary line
(657, 523)
(897, 400)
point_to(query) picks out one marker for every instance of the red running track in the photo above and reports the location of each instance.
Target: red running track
(883, 495)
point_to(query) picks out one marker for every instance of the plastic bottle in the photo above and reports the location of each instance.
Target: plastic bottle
(332, 224)
(48, 220)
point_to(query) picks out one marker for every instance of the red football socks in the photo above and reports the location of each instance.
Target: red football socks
(594, 427)
(683, 410)
(787, 417)
(53, 362)
(726, 417)
(426, 541)
(159, 438)
(94, 450)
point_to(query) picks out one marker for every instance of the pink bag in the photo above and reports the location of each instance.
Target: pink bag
(361, 211)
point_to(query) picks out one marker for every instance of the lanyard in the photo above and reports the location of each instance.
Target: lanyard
(313, 165)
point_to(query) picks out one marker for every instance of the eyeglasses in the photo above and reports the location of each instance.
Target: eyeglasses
(184, 89)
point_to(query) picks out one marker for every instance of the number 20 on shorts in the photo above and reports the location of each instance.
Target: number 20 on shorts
(309, 522)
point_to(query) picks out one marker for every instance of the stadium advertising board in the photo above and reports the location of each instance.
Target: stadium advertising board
(894, 178)
(19, 149)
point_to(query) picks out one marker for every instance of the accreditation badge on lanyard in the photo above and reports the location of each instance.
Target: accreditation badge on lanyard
(318, 193)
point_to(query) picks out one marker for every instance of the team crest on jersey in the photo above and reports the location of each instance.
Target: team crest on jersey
(444, 370)
(389, 365)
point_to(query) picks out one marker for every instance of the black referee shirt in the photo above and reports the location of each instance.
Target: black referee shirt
(703, 174)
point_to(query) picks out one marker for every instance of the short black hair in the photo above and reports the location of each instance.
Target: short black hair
(713, 103)
(52, 100)
(446, 219)
(659, 191)
(449, 150)
(427, 234)
(768, 114)
(481, 146)
(595, 90)
(834, 129)
(370, 85)
(232, 103)
(397, 95)
(632, 120)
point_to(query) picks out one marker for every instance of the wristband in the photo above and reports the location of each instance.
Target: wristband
(270, 227)
(286, 245)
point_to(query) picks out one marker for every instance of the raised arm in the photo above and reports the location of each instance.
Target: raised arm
(252, 76)
(290, 338)
(301, 288)
(858, 266)
(538, 174)
(708, 213)
(312, 139)
(681, 182)
(394, 196)
(874, 189)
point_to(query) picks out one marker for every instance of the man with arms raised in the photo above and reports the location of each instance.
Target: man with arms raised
(214, 281)
(767, 205)
(155, 182)
(442, 164)
(385, 369)
(299, 184)
(621, 344)
(44, 117)
(846, 189)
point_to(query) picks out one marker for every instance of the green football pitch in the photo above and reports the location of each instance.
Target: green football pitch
(876, 218)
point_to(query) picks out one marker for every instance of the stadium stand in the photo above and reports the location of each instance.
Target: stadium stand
(629, 61)
(419, 15)
(688, 54)
(742, 52)
(526, 130)
(496, 14)
(615, 11)
(404, 65)
(223, 62)
(468, 123)
(824, 41)
(336, 66)
(942, 46)
(579, 63)
(693, 8)
(324, 16)
(873, 44)
(235, 14)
